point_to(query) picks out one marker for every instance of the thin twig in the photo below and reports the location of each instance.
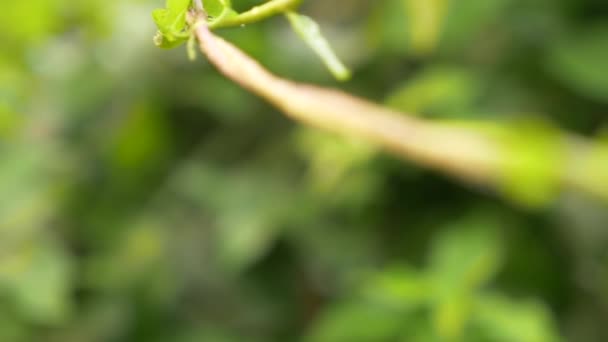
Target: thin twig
(257, 13)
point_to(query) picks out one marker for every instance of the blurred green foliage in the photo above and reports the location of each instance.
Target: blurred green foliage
(146, 198)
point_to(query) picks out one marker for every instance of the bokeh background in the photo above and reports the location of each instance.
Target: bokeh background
(146, 198)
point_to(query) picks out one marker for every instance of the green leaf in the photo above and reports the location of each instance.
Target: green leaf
(171, 19)
(164, 42)
(171, 23)
(310, 32)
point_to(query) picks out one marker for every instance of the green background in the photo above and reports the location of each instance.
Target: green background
(146, 198)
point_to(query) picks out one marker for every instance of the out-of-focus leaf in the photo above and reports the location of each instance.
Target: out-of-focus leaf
(387, 31)
(13, 91)
(466, 20)
(140, 142)
(403, 288)
(11, 328)
(35, 21)
(441, 92)
(425, 20)
(502, 319)
(451, 316)
(140, 252)
(580, 61)
(463, 258)
(357, 322)
(207, 334)
(38, 276)
(29, 183)
(310, 32)
(466, 256)
(245, 223)
(333, 159)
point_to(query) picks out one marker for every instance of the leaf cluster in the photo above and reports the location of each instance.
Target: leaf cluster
(174, 26)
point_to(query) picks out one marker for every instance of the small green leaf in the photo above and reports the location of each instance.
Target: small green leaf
(178, 6)
(309, 31)
(172, 19)
(171, 23)
(164, 42)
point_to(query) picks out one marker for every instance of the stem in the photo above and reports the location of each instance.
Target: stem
(257, 13)
(457, 151)
(473, 155)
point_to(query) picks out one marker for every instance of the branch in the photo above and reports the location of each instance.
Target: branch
(465, 152)
(257, 13)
